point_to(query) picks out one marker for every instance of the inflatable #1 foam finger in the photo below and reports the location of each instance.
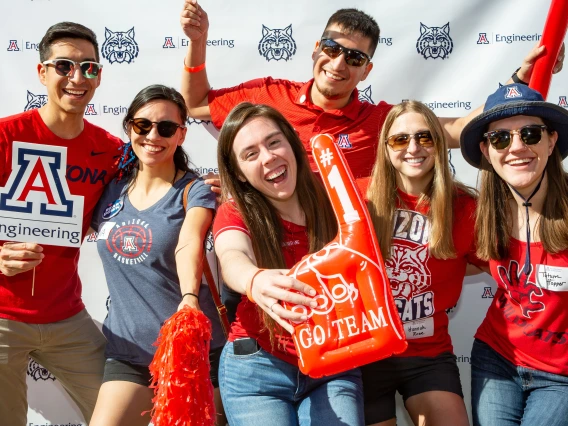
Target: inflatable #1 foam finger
(356, 321)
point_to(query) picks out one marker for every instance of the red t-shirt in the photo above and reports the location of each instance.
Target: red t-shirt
(424, 287)
(354, 127)
(248, 322)
(91, 158)
(527, 323)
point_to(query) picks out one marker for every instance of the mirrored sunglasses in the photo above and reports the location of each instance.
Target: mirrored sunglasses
(353, 57)
(66, 67)
(143, 126)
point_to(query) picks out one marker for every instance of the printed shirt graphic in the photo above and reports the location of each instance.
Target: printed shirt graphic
(361, 121)
(247, 324)
(137, 249)
(425, 287)
(57, 293)
(527, 323)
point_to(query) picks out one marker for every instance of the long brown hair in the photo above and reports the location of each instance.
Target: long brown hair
(258, 213)
(383, 197)
(494, 222)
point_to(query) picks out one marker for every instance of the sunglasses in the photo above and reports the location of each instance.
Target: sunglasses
(402, 140)
(66, 67)
(353, 57)
(143, 126)
(530, 135)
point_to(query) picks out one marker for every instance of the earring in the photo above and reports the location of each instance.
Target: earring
(127, 160)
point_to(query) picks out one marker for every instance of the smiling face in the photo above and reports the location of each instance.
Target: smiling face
(266, 159)
(152, 149)
(69, 95)
(520, 165)
(414, 165)
(333, 78)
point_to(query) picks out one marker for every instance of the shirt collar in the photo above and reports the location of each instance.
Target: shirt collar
(351, 110)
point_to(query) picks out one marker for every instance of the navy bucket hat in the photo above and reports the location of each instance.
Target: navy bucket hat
(508, 101)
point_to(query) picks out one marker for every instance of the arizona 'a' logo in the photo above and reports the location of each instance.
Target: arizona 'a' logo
(434, 42)
(487, 293)
(13, 46)
(365, 95)
(277, 44)
(482, 39)
(120, 46)
(37, 182)
(168, 43)
(35, 101)
(522, 291)
(90, 110)
(562, 102)
(343, 141)
(513, 92)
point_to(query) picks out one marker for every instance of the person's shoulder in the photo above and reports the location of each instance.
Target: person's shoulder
(17, 121)
(101, 135)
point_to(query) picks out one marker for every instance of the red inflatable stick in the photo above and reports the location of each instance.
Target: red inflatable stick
(356, 321)
(552, 37)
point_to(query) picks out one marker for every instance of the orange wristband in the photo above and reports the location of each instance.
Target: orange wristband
(194, 69)
(249, 286)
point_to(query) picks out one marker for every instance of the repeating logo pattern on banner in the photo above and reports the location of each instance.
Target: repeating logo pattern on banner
(36, 205)
(483, 38)
(277, 44)
(365, 95)
(35, 101)
(434, 42)
(562, 101)
(119, 46)
(38, 372)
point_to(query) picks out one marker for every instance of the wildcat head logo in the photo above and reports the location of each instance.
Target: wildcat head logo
(562, 102)
(365, 95)
(119, 46)
(522, 291)
(407, 270)
(38, 372)
(434, 42)
(35, 101)
(277, 44)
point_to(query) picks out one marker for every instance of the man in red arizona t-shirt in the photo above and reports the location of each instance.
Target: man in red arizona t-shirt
(41, 312)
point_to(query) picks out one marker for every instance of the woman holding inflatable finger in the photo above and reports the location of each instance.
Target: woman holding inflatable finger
(278, 214)
(519, 360)
(424, 221)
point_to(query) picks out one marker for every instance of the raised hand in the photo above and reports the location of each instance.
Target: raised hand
(193, 19)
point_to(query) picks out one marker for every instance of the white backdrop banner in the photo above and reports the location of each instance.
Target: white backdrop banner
(484, 42)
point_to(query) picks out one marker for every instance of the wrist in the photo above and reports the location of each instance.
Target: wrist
(517, 78)
(189, 294)
(251, 284)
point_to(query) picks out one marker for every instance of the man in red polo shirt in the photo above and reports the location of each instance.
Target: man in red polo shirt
(328, 103)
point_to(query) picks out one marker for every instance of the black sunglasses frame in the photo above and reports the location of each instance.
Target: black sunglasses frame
(506, 136)
(166, 129)
(351, 55)
(83, 66)
(418, 136)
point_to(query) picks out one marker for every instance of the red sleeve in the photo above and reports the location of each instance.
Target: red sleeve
(222, 101)
(228, 218)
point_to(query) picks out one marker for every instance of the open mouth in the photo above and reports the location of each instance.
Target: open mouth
(74, 93)
(519, 162)
(417, 160)
(277, 175)
(152, 148)
(332, 76)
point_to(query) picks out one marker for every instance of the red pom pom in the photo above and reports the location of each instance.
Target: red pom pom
(180, 372)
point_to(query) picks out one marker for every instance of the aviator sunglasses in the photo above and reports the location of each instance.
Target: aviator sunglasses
(530, 135)
(353, 57)
(66, 67)
(166, 129)
(402, 140)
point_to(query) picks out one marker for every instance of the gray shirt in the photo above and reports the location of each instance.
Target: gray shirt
(137, 250)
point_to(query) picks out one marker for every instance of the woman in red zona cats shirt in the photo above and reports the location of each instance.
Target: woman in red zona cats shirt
(519, 361)
(279, 212)
(424, 222)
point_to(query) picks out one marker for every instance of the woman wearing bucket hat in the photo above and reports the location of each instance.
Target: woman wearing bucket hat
(520, 356)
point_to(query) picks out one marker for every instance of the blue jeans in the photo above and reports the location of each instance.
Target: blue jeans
(262, 390)
(503, 394)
